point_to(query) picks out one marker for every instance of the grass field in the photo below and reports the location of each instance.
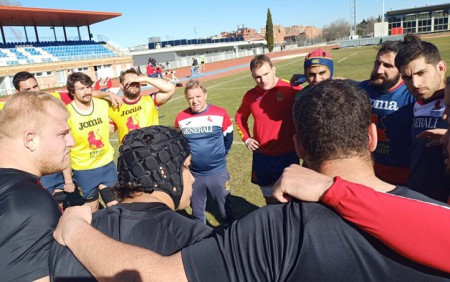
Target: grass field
(227, 92)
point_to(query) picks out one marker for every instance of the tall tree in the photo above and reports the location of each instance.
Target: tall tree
(269, 31)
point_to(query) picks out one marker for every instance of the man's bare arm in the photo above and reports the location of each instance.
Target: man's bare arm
(69, 186)
(301, 183)
(109, 259)
(166, 88)
(115, 99)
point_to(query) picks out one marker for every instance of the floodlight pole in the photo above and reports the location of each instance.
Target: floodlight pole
(352, 18)
(382, 19)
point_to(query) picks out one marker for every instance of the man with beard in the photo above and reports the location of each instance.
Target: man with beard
(139, 111)
(35, 140)
(92, 156)
(388, 95)
(318, 66)
(423, 72)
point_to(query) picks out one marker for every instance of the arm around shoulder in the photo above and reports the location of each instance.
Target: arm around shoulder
(107, 258)
(417, 230)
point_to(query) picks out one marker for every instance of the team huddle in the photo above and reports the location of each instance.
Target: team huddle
(361, 145)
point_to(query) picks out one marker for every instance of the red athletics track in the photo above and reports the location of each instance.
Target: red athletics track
(210, 67)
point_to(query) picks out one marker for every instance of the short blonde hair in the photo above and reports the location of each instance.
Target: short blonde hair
(27, 110)
(192, 84)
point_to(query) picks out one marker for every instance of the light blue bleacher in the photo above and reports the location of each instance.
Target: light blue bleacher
(69, 52)
(84, 51)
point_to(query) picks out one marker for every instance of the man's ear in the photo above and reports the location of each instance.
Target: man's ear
(298, 147)
(442, 67)
(31, 140)
(373, 137)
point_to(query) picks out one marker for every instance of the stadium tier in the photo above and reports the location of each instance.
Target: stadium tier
(46, 52)
(179, 42)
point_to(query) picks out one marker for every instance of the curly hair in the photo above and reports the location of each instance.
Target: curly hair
(389, 47)
(127, 190)
(75, 77)
(332, 119)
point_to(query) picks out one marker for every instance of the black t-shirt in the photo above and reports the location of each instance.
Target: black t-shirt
(28, 216)
(152, 226)
(300, 242)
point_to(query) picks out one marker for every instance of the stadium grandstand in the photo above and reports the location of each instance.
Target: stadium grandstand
(426, 19)
(169, 43)
(52, 60)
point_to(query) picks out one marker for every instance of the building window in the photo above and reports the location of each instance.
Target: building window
(395, 21)
(424, 25)
(82, 69)
(440, 20)
(43, 74)
(104, 67)
(410, 17)
(409, 26)
(425, 15)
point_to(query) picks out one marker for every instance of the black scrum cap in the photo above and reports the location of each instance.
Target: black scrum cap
(153, 157)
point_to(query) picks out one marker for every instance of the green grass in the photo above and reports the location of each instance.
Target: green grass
(227, 92)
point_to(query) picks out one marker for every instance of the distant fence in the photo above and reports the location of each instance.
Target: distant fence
(221, 56)
(368, 41)
(178, 42)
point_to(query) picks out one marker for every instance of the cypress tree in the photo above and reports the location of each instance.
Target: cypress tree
(269, 31)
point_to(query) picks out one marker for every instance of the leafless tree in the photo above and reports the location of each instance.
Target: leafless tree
(339, 29)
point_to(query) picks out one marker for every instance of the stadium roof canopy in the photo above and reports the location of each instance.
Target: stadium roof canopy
(22, 16)
(39, 17)
(418, 9)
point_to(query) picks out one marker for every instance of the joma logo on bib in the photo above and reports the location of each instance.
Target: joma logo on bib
(384, 105)
(130, 111)
(87, 124)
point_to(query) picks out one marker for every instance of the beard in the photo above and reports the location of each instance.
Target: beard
(385, 84)
(50, 166)
(131, 95)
